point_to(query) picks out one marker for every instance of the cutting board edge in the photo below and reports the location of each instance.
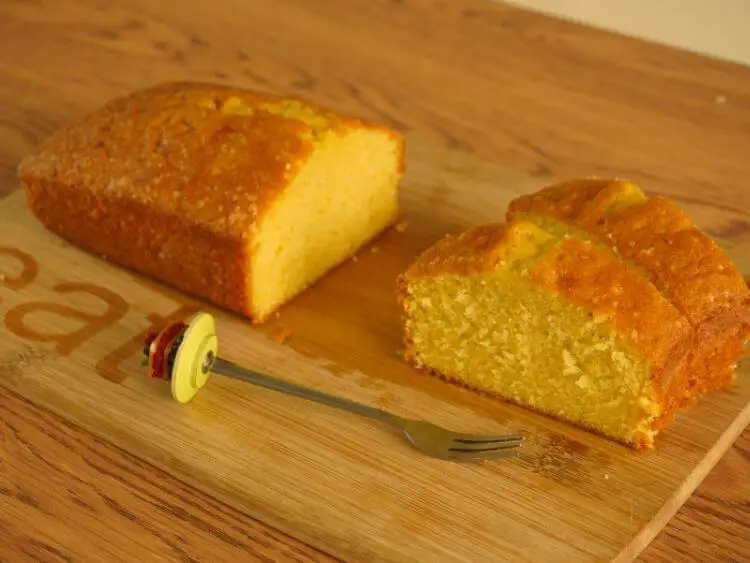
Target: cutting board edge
(659, 521)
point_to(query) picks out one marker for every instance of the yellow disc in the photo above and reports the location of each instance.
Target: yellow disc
(192, 363)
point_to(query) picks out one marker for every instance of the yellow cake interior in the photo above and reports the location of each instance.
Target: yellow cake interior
(343, 196)
(499, 332)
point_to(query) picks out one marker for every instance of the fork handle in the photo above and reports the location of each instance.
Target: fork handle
(229, 369)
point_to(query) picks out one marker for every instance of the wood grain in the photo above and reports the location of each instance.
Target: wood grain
(713, 525)
(168, 521)
(69, 496)
(538, 95)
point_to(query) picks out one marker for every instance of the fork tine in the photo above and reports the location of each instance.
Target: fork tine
(477, 448)
(474, 439)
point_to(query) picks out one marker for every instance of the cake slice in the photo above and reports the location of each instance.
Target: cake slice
(550, 321)
(655, 236)
(238, 197)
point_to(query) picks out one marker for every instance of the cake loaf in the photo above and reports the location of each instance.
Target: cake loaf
(552, 317)
(238, 197)
(657, 237)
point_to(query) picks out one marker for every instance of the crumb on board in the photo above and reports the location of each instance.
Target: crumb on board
(354, 258)
(606, 476)
(277, 314)
(720, 99)
(374, 249)
(282, 335)
(2, 277)
(401, 226)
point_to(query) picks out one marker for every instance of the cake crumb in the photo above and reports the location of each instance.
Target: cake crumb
(721, 99)
(606, 476)
(277, 314)
(355, 259)
(2, 278)
(282, 335)
(401, 226)
(374, 249)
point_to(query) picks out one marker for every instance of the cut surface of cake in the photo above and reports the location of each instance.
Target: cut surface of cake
(238, 197)
(655, 236)
(546, 314)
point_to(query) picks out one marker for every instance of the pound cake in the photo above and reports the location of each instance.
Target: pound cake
(656, 236)
(238, 197)
(553, 318)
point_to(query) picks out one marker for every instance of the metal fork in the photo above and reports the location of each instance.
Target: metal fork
(426, 437)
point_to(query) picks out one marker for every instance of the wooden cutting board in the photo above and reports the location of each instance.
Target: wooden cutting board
(71, 329)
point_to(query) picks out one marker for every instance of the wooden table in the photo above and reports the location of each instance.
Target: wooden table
(530, 92)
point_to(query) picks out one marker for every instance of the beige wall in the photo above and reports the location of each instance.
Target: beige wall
(720, 28)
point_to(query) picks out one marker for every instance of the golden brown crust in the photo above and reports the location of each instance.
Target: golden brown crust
(594, 278)
(171, 180)
(469, 252)
(690, 269)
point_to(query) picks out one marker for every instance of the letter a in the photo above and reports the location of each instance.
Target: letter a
(66, 342)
